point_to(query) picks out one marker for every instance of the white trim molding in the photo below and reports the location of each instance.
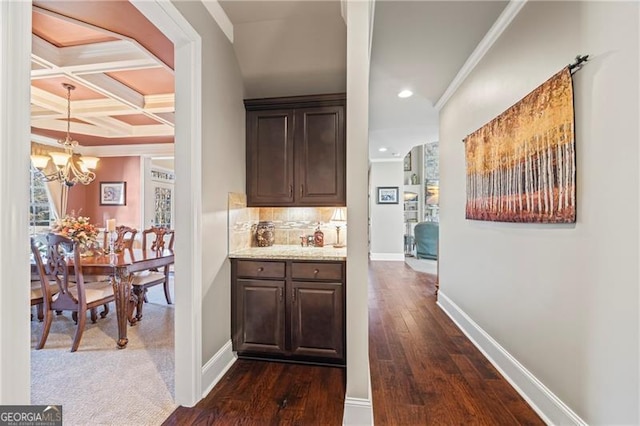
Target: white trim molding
(217, 367)
(548, 406)
(357, 412)
(394, 257)
(15, 51)
(188, 164)
(220, 16)
(510, 11)
(148, 150)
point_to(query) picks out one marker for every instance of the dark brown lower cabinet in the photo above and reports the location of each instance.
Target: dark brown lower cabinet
(289, 310)
(260, 314)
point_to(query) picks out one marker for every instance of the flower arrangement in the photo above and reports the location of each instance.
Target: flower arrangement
(76, 228)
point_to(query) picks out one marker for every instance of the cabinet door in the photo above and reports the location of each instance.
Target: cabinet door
(317, 319)
(320, 156)
(270, 158)
(259, 319)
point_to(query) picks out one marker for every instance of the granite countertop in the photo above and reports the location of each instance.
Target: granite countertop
(293, 252)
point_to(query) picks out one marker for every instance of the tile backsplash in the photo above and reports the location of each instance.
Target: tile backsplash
(242, 221)
(290, 223)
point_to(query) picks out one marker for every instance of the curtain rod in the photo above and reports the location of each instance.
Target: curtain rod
(578, 63)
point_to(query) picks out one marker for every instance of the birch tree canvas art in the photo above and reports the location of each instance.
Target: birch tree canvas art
(521, 166)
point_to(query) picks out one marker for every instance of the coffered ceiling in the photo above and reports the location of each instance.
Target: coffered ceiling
(121, 67)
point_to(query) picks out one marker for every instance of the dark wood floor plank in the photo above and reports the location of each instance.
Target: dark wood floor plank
(448, 381)
(424, 371)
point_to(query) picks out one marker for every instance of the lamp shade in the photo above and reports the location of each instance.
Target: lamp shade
(339, 215)
(90, 162)
(40, 161)
(59, 158)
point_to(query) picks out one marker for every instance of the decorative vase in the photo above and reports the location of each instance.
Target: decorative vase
(85, 251)
(318, 238)
(265, 234)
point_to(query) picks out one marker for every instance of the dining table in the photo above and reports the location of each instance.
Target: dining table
(121, 268)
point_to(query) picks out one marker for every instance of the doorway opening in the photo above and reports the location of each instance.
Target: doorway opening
(421, 207)
(188, 222)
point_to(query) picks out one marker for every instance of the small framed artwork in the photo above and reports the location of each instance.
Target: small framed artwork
(113, 193)
(407, 162)
(387, 195)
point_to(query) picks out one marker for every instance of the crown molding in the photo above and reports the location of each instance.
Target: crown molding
(152, 149)
(220, 16)
(45, 140)
(147, 150)
(508, 14)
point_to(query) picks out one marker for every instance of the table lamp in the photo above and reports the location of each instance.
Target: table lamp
(339, 219)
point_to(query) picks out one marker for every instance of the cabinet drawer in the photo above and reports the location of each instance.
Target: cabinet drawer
(316, 271)
(257, 269)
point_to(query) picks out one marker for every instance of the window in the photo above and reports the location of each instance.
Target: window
(39, 208)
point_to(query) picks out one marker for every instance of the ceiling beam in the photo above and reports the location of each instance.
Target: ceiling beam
(87, 65)
(103, 31)
(104, 127)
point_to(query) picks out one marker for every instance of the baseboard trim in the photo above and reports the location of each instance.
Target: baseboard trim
(387, 256)
(357, 412)
(538, 396)
(216, 367)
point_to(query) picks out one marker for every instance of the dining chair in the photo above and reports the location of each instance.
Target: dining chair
(36, 287)
(162, 238)
(125, 236)
(36, 299)
(63, 295)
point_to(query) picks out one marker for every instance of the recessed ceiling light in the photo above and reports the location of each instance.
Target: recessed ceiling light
(395, 154)
(383, 149)
(405, 94)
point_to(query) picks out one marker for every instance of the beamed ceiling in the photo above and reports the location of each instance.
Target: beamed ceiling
(120, 64)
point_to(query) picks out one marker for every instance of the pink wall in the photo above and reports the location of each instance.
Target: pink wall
(86, 199)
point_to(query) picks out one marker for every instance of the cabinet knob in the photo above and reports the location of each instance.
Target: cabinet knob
(315, 271)
(260, 269)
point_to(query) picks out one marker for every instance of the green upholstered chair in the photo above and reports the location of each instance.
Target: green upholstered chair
(426, 240)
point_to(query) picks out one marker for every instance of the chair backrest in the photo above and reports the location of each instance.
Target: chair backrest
(426, 238)
(56, 268)
(43, 279)
(163, 238)
(125, 237)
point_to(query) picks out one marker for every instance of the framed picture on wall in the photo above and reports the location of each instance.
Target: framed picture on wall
(387, 195)
(113, 193)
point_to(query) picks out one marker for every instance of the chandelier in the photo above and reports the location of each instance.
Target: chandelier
(70, 168)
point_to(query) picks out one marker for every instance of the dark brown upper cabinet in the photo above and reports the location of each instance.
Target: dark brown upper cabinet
(296, 151)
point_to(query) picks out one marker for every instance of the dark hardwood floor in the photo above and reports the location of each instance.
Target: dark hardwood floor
(424, 371)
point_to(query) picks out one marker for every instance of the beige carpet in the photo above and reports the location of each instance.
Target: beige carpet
(422, 265)
(99, 384)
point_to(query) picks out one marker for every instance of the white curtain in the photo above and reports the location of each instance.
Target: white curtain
(56, 191)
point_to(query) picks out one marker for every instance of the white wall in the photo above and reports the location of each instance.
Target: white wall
(223, 170)
(562, 300)
(387, 220)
